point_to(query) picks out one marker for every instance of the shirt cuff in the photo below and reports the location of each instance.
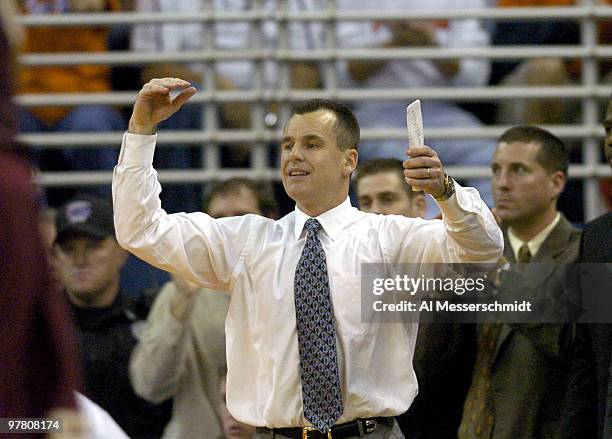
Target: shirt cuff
(457, 206)
(137, 149)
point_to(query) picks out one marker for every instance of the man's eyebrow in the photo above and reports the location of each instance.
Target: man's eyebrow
(515, 163)
(378, 194)
(313, 136)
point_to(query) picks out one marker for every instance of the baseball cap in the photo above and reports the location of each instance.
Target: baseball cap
(85, 214)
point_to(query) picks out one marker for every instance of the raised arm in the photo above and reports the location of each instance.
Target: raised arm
(468, 232)
(154, 103)
(194, 246)
(157, 360)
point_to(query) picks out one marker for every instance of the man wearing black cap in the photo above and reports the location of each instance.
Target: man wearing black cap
(88, 261)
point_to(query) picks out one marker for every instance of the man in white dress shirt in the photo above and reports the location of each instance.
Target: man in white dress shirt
(255, 259)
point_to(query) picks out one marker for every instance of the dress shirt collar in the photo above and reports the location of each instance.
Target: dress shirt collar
(536, 242)
(332, 221)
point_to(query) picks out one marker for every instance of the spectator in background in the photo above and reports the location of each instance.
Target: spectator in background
(67, 79)
(183, 344)
(415, 74)
(88, 261)
(381, 189)
(231, 36)
(537, 72)
(596, 248)
(38, 359)
(519, 384)
(443, 355)
(544, 71)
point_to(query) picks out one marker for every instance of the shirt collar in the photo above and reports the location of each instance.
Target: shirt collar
(332, 221)
(534, 243)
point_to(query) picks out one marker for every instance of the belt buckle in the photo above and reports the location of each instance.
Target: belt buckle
(305, 431)
(370, 425)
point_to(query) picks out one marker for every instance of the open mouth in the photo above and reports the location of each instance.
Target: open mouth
(298, 173)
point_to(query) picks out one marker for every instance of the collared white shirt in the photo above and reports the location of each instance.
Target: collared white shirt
(255, 259)
(534, 243)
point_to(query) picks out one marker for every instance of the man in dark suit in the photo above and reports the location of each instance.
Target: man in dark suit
(518, 384)
(596, 247)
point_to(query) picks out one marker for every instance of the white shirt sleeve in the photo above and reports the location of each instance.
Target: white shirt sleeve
(467, 233)
(192, 245)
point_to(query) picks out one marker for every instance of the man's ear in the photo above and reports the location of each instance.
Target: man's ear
(351, 156)
(122, 254)
(557, 182)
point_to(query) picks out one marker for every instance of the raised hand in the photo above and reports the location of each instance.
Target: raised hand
(154, 104)
(423, 170)
(182, 303)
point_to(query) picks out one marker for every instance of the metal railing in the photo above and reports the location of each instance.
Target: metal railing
(589, 92)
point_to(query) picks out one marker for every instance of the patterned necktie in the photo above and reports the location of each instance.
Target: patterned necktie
(524, 254)
(316, 332)
(478, 412)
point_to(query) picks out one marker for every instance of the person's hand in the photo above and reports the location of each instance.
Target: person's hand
(185, 287)
(423, 170)
(154, 104)
(182, 301)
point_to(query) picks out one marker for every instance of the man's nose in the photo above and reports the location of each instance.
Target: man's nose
(376, 207)
(296, 152)
(79, 257)
(500, 180)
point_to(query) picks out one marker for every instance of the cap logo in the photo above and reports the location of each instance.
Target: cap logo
(78, 212)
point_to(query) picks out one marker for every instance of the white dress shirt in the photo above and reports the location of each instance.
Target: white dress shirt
(255, 259)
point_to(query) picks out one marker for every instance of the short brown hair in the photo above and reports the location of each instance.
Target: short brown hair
(266, 201)
(348, 134)
(553, 154)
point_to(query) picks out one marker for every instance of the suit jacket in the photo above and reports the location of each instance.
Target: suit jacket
(596, 247)
(443, 363)
(531, 363)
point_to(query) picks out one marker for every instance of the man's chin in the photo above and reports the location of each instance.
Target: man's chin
(507, 217)
(82, 295)
(297, 193)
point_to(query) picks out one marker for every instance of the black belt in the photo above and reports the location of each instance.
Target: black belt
(358, 427)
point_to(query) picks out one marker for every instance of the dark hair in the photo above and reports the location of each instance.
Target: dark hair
(348, 128)
(553, 154)
(380, 165)
(266, 200)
